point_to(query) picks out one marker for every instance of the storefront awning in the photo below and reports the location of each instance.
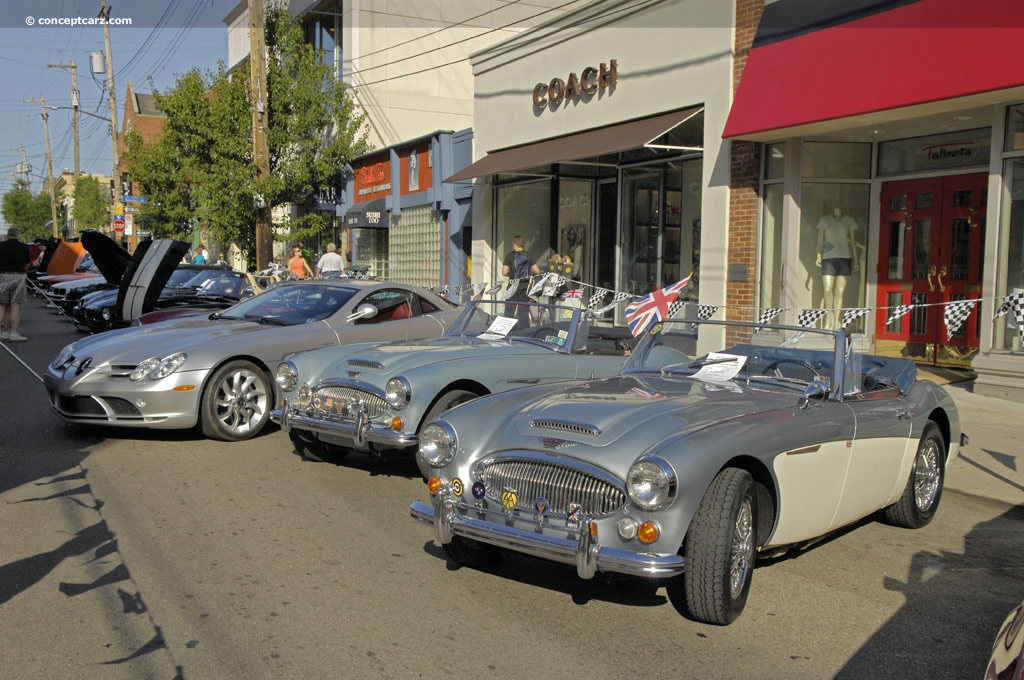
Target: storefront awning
(612, 139)
(367, 215)
(814, 61)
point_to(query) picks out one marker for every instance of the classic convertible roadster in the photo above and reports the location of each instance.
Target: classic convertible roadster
(691, 462)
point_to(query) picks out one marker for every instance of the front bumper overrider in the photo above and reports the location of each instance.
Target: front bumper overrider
(358, 429)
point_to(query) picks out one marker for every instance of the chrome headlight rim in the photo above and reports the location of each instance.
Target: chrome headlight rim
(651, 483)
(398, 392)
(438, 443)
(286, 376)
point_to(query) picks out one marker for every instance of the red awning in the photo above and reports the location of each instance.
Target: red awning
(891, 54)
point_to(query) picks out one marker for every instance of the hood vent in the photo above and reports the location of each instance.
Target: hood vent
(566, 426)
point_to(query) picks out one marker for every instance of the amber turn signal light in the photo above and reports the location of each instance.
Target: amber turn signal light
(434, 485)
(648, 532)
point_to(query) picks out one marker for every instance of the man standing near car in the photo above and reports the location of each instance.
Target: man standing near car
(14, 259)
(330, 262)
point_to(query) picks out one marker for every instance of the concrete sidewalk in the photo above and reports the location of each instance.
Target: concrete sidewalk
(992, 464)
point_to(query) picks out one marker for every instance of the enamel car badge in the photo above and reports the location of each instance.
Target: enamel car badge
(541, 507)
(479, 490)
(509, 499)
(457, 487)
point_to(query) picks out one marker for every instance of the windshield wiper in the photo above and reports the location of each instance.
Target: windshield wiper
(265, 319)
(700, 363)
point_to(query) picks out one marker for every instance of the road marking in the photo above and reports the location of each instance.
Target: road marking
(18, 359)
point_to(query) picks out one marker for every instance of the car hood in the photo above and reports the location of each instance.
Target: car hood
(196, 336)
(394, 357)
(152, 265)
(644, 408)
(111, 259)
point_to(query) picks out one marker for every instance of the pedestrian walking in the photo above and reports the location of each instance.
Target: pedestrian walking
(14, 259)
(297, 264)
(331, 261)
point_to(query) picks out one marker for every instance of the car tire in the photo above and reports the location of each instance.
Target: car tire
(920, 498)
(236, 402)
(469, 553)
(314, 449)
(446, 401)
(719, 551)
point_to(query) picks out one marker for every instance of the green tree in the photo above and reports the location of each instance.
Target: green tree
(92, 204)
(29, 213)
(201, 167)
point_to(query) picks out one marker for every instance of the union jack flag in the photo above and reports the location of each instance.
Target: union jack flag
(644, 311)
(574, 293)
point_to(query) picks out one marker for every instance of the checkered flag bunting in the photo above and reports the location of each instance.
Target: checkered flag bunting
(897, 312)
(493, 289)
(705, 312)
(851, 315)
(675, 309)
(478, 290)
(544, 281)
(616, 299)
(956, 314)
(513, 286)
(443, 292)
(769, 314)
(1010, 302)
(809, 317)
(596, 297)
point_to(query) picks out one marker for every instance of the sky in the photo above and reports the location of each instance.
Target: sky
(166, 38)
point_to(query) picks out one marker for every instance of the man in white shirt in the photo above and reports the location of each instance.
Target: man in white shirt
(330, 262)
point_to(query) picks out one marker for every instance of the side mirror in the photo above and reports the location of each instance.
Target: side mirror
(363, 311)
(816, 391)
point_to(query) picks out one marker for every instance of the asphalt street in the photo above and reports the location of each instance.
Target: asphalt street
(146, 554)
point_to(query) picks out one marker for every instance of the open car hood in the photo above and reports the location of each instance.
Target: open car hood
(147, 274)
(111, 259)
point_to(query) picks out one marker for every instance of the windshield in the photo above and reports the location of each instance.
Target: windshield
(560, 327)
(218, 282)
(720, 351)
(292, 304)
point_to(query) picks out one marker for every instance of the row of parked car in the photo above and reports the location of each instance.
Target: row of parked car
(681, 454)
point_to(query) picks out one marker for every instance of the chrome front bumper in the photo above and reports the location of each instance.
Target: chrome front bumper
(580, 550)
(359, 431)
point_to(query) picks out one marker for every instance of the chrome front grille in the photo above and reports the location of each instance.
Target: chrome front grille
(336, 401)
(560, 485)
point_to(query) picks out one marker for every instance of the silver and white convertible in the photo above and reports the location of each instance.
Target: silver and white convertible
(693, 460)
(376, 397)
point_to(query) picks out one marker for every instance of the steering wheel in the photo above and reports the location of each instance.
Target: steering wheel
(773, 366)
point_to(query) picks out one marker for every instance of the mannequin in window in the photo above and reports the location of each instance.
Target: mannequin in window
(838, 259)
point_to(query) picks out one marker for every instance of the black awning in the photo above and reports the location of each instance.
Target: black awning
(597, 142)
(367, 215)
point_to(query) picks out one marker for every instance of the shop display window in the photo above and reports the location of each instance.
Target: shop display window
(1011, 252)
(523, 209)
(1014, 129)
(835, 160)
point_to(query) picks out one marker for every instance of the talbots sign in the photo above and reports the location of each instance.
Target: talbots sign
(590, 81)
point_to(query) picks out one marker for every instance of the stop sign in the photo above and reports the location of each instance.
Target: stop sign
(119, 223)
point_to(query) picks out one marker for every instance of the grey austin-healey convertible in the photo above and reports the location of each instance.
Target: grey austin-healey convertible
(693, 460)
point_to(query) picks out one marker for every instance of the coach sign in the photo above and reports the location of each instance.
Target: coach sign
(590, 81)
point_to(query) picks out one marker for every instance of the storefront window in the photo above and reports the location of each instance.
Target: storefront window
(370, 250)
(836, 160)
(948, 151)
(575, 229)
(1015, 129)
(523, 209)
(1011, 250)
(833, 239)
(775, 161)
(771, 247)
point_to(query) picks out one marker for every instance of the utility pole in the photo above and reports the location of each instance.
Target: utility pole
(260, 148)
(75, 103)
(118, 207)
(49, 161)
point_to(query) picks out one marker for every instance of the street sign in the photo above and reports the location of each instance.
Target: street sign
(119, 223)
(134, 199)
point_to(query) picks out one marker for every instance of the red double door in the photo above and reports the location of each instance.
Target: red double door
(930, 253)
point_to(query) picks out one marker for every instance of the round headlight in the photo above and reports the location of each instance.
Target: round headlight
(143, 369)
(106, 313)
(287, 376)
(438, 443)
(305, 395)
(168, 365)
(651, 483)
(397, 392)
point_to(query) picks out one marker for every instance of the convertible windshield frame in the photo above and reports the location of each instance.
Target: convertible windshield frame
(822, 355)
(560, 328)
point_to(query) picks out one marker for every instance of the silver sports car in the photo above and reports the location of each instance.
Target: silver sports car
(217, 370)
(692, 461)
(378, 397)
